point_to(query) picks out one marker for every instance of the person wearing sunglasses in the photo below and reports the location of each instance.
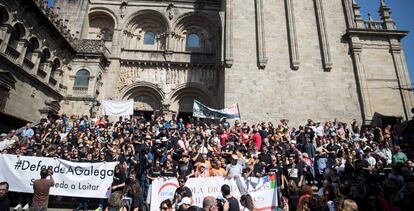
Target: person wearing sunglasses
(182, 191)
(166, 205)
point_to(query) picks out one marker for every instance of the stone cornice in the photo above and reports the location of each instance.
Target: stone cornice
(398, 33)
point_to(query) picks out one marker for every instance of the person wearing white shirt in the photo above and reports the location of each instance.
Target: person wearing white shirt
(234, 169)
(371, 161)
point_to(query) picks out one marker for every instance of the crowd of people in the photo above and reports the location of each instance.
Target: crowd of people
(318, 166)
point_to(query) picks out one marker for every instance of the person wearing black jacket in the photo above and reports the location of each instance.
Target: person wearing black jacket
(4, 200)
(133, 190)
(233, 202)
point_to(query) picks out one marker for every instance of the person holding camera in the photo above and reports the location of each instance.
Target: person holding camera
(41, 188)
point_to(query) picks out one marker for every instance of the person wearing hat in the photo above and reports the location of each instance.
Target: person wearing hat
(186, 166)
(184, 204)
(234, 169)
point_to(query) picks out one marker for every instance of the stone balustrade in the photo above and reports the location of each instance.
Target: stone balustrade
(12, 54)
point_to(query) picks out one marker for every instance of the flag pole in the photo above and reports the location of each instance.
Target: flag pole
(238, 110)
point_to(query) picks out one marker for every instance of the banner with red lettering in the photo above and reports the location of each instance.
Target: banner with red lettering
(263, 190)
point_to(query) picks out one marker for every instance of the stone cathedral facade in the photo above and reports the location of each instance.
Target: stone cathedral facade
(294, 59)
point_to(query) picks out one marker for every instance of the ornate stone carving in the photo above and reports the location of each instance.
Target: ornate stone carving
(170, 11)
(131, 72)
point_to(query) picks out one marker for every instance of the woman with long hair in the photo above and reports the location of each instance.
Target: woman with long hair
(117, 188)
(247, 202)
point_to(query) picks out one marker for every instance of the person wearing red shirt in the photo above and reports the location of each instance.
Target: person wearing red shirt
(224, 137)
(257, 139)
(244, 135)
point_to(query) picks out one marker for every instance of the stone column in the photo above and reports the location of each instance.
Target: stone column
(260, 33)
(21, 48)
(36, 60)
(5, 32)
(222, 37)
(115, 48)
(403, 79)
(362, 87)
(293, 41)
(323, 36)
(229, 34)
(47, 68)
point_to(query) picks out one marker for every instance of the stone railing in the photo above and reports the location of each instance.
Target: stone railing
(27, 64)
(374, 25)
(90, 46)
(41, 73)
(52, 81)
(12, 54)
(80, 90)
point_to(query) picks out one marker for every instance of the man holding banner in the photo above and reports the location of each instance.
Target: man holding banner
(41, 189)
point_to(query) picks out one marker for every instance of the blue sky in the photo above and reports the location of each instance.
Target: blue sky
(402, 13)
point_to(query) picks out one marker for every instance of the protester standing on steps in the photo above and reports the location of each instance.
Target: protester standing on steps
(41, 189)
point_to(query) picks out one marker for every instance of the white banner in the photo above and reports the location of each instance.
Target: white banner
(90, 180)
(262, 190)
(118, 108)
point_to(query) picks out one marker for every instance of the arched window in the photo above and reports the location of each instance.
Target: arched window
(33, 45)
(4, 16)
(15, 37)
(45, 56)
(82, 78)
(193, 41)
(149, 38)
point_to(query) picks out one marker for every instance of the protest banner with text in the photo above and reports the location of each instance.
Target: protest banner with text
(263, 190)
(90, 180)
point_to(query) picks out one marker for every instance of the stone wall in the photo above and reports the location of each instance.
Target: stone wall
(277, 91)
(28, 97)
(76, 12)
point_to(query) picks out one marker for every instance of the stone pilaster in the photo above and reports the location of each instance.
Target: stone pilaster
(293, 41)
(361, 81)
(402, 76)
(260, 34)
(5, 32)
(229, 34)
(349, 13)
(36, 60)
(21, 48)
(47, 67)
(323, 36)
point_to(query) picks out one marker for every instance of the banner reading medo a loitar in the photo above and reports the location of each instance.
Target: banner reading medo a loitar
(263, 190)
(71, 179)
